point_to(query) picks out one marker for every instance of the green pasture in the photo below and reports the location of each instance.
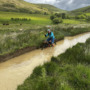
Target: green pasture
(35, 18)
(16, 37)
(73, 21)
(88, 14)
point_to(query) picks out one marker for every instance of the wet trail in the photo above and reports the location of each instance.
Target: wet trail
(14, 71)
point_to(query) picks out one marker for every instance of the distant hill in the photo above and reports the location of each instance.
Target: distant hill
(51, 8)
(83, 10)
(23, 6)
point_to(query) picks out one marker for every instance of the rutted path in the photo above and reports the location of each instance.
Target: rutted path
(14, 71)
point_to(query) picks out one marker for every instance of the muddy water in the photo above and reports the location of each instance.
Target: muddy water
(14, 71)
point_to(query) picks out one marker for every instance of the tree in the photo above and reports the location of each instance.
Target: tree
(63, 15)
(52, 17)
(77, 17)
(45, 13)
(57, 20)
(58, 14)
(83, 17)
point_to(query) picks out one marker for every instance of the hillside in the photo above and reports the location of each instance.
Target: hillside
(23, 6)
(51, 8)
(20, 6)
(83, 10)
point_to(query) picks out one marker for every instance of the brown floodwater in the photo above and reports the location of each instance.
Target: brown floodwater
(14, 71)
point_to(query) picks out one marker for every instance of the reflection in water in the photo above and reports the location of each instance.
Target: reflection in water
(14, 71)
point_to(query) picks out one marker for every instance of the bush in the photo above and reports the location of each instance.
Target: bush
(57, 21)
(82, 17)
(63, 15)
(77, 17)
(20, 19)
(45, 13)
(51, 68)
(58, 14)
(88, 18)
(52, 17)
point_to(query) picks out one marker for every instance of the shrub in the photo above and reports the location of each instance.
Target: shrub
(63, 15)
(45, 13)
(51, 68)
(52, 17)
(20, 19)
(83, 17)
(80, 17)
(58, 14)
(57, 21)
(88, 18)
(77, 17)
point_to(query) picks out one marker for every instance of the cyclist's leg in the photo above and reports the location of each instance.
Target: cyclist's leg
(53, 41)
(48, 39)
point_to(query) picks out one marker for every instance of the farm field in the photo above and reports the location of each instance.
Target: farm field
(72, 21)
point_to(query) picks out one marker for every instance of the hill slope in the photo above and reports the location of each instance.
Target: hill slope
(23, 6)
(84, 10)
(51, 8)
(20, 6)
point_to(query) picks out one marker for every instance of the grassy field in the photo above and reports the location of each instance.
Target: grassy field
(68, 71)
(14, 36)
(17, 37)
(82, 10)
(36, 19)
(20, 6)
(72, 21)
(27, 7)
(51, 8)
(88, 14)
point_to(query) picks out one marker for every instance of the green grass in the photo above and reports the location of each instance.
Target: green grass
(20, 6)
(72, 21)
(68, 71)
(51, 8)
(27, 7)
(88, 14)
(35, 18)
(15, 37)
(82, 10)
(32, 30)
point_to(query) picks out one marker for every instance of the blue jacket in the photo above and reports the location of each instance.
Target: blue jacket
(51, 35)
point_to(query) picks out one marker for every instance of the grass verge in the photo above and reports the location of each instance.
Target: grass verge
(68, 71)
(15, 40)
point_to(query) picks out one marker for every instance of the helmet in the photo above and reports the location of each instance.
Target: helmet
(49, 30)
